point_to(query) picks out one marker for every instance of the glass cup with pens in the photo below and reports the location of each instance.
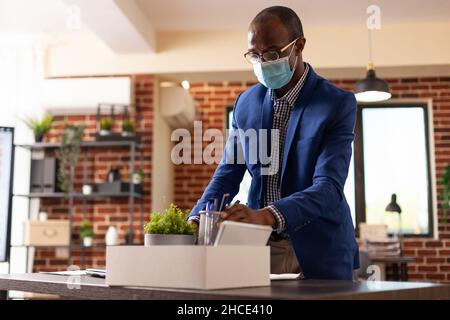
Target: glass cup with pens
(209, 218)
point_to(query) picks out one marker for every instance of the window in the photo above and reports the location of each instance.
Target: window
(349, 188)
(391, 155)
(247, 180)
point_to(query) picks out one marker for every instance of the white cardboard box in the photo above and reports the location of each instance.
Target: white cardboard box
(47, 233)
(193, 267)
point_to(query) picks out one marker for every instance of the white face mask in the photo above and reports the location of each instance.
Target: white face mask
(275, 74)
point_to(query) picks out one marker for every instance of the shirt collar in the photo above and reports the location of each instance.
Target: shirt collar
(292, 95)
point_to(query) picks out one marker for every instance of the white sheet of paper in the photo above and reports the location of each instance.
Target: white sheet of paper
(284, 276)
(67, 273)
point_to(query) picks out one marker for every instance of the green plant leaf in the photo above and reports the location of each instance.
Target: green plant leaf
(172, 221)
(445, 194)
(86, 229)
(106, 124)
(40, 127)
(68, 155)
(128, 126)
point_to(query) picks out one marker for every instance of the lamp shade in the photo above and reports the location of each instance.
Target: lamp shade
(371, 88)
(393, 206)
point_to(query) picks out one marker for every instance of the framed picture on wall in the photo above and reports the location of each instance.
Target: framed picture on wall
(6, 172)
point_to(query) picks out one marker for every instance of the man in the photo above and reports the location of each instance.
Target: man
(304, 200)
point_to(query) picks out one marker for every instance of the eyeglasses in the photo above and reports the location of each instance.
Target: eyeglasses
(272, 55)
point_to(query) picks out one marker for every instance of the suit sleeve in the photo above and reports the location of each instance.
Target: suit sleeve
(331, 170)
(229, 172)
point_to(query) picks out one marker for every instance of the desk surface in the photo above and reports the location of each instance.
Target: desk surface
(95, 288)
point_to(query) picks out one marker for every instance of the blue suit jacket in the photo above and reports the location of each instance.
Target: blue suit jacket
(315, 165)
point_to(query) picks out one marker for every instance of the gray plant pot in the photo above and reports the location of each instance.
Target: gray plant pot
(168, 239)
(105, 132)
(127, 134)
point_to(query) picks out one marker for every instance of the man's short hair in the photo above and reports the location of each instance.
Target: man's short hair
(287, 16)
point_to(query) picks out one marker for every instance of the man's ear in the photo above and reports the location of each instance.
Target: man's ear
(300, 44)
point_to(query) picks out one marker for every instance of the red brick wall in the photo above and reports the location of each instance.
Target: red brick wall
(212, 101)
(433, 256)
(103, 212)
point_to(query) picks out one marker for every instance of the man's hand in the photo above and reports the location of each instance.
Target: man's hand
(242, 213)
(195, 224)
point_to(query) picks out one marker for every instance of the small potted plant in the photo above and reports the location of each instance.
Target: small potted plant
(169, 228)
(40, 127)
(67, 155)
(138, 176)
(445, 193)
(127, 237)
(127, 128)
(86, 233)
(106, 125)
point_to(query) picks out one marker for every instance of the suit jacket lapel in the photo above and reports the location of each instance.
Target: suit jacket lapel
(266, 124)
(297, 112)
(267, 114)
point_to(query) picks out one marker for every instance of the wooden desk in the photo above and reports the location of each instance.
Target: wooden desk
(95, 288)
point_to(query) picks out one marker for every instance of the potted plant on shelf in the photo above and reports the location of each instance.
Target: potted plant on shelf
(127, 237)
(86, 233)
(68, 155)
(138, 176)
(40, 127)
(445, 194)
(106, 125)
(127, 128)
(169, 228)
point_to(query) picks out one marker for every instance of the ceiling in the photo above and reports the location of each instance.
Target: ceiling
(164, 15)
(236, 14)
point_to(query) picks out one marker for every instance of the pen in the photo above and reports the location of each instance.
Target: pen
(224, 199)
(237, 202)
(208, 206)
(227, 207)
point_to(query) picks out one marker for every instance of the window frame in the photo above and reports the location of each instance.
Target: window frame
(360, 207)
(10, 198)
(228, 109)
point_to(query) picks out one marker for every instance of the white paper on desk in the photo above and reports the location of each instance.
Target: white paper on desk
(284, 276)
(67, 273)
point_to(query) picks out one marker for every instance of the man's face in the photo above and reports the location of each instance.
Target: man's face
(268, 36)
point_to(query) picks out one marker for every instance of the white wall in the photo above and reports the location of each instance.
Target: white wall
(326, 47)
(21, 79)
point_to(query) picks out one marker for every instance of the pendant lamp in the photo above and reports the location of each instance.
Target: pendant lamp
(371, 88)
